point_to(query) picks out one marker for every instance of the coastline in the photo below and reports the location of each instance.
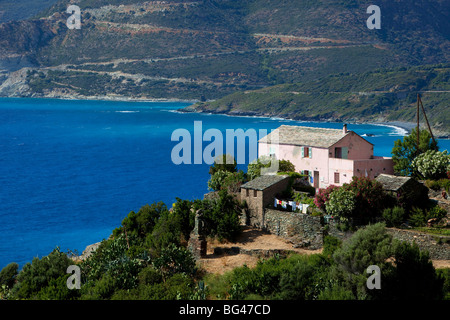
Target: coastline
(404, 127)
(105, 98)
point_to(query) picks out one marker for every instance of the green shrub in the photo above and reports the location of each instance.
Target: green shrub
(394, 216)
(174, 259)
(222, 216)
(444, 275)
(149, 276)
(223, 162)
(336, 292)
(296, 283)
(432, 164)
(370, 198)
(330, 245)
(285, 166)
(436, 212)
(342, 203)
(226, 179)
(38, 274)
(417, 217)
(8, 275)
(433, 184)
(323, 196)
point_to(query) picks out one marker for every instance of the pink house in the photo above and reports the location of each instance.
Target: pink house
(328, 156)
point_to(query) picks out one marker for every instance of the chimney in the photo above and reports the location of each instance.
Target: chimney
(344, 131)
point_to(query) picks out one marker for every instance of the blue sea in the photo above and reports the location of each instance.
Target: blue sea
(70, 171)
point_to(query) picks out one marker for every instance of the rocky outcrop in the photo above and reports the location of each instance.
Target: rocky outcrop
(90, 249)
(16, 84)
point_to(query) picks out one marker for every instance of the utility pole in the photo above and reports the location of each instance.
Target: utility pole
(419, 103)
(418, 129)
(426, 119)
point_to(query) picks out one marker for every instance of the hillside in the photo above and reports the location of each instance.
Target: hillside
(376, 96)
(11, 10)
(206, 50)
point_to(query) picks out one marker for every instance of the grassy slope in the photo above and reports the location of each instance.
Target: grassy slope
(214, 48)
(382, 95)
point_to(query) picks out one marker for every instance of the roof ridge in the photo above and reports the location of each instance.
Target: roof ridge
(306, 127)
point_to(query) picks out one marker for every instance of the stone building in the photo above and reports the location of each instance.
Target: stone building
(407, 190)
(259, 193)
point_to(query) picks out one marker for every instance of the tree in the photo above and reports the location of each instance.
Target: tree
(394, 216)
(370, 198)
(38, 274)
(285, 166)
(405, 150)
(141, 223)
(254, 167)
(406, 271)
(8, 275)
(415, 277)
(226, 179)
(222, 216)
(174, 259)
(223, 162)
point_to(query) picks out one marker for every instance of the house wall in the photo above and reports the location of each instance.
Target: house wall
(318, 161)
(323, 161)
(374, 167)
(256, 204)
(358, 148)
(344, 167)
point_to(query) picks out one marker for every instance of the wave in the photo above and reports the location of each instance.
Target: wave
(127, 111)
(398, 131)
(370, 135)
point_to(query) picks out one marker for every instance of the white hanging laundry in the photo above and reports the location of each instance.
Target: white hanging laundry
(305, 208)
(292, 204)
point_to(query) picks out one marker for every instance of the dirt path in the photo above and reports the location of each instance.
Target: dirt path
(250, 239)
(253, 239)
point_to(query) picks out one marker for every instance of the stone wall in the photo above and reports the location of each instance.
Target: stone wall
(302, 230)
(437, 246)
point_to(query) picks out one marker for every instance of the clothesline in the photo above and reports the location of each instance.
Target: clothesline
(295, 205)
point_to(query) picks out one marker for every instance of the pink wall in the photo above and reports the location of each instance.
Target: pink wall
(360, 159)
(358, 148)
(374, 167)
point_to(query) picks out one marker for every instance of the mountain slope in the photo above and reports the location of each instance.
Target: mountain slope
(382, 95)
(208, 49)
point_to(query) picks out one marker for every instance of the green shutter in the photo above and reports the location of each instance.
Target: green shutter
(303, 151)
(310, 153)
(344, 152)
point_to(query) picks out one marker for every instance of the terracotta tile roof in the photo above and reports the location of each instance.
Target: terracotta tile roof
(306, 136)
